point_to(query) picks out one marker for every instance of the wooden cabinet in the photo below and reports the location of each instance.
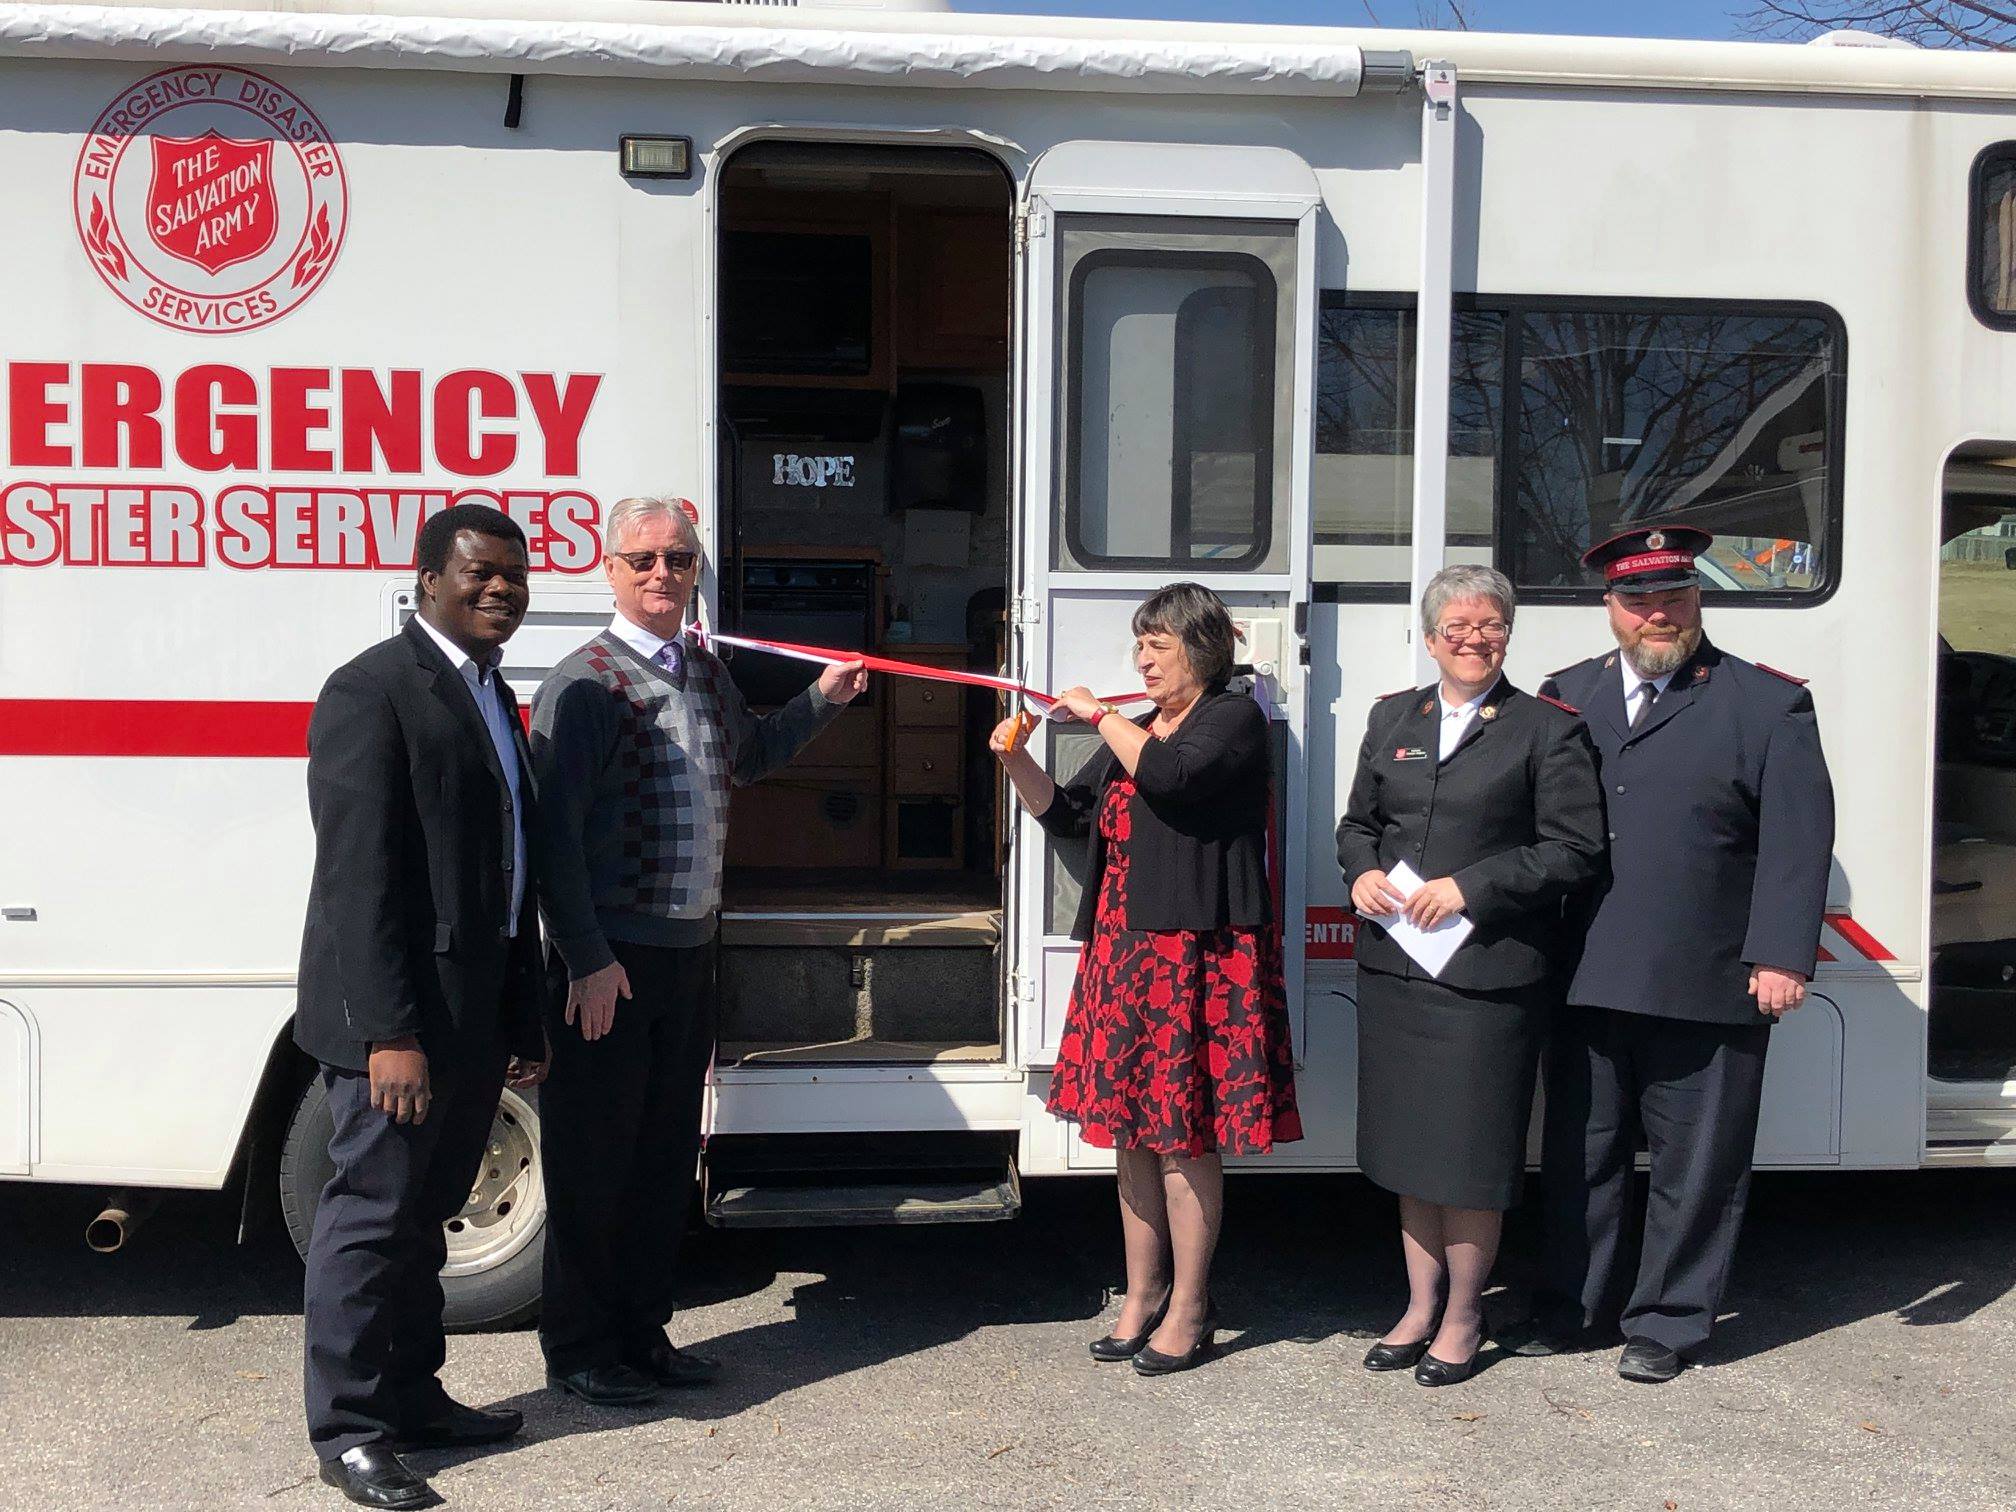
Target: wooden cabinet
(952, 289)
(924, 813)
(826, 226)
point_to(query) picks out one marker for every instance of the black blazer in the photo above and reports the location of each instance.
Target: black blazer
(411, 894)
(1722, 835)
(1515, 816)
(1198, 857)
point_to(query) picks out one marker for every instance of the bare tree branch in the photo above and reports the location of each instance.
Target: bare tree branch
(1986, 24)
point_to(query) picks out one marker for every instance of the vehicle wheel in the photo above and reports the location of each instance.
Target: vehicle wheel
(491, 1279)
(2009, 557)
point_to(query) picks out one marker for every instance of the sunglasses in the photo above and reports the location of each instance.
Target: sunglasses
(643, 561)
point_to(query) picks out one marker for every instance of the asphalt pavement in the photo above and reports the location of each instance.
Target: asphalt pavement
(1868, 1358)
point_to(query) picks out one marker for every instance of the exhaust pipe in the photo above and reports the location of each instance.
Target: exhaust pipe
(124, 1212)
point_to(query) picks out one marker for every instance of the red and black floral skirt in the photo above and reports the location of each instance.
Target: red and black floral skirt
(1175, 1041)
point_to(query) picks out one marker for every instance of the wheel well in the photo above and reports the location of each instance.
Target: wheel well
(255, 1167)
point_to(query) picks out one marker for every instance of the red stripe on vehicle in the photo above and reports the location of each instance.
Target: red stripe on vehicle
(1859, 937)
(152, 727)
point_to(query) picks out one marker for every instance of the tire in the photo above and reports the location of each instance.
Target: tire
(491, 1280)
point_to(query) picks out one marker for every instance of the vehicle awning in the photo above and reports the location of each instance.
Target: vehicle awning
(824, 51)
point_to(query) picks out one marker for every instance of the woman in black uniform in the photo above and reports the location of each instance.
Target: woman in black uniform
(1490, 796)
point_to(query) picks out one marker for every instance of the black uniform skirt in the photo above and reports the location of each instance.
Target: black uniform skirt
(1445, 1087)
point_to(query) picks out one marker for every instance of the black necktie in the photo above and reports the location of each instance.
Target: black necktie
(1646, 693)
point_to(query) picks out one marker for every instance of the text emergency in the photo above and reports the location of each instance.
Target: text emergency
(354, 425)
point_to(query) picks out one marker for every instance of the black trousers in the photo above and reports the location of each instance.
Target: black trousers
(372, 1313)
(619, 1125)
(1692, 1090)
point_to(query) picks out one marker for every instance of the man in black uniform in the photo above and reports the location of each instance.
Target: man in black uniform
(1721, 820)
(419, 993)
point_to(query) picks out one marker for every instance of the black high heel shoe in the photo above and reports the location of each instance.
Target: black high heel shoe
(1434, 1372)
(1109, 1350)
(1396, 1356)
(1152, 1362)
(1383, 1356)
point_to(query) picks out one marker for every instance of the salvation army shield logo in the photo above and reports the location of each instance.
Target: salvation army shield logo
(210, 199)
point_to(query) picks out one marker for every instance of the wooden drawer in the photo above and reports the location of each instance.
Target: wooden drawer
(927, 704)
(924, 761)
(850, 747)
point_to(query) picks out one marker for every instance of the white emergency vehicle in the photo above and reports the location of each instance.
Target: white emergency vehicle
(961, 332)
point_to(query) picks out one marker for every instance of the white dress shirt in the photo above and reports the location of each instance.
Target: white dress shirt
(646, 643)
(1456, 719)
(483, 686)
(1633, 683)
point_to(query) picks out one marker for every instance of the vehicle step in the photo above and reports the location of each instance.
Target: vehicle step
(853, 1204)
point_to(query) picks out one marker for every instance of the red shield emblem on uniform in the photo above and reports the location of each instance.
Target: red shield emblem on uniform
(211, 201)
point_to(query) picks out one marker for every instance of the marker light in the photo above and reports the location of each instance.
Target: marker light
(655, 157)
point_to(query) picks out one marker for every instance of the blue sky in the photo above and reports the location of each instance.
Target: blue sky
(1710, 19)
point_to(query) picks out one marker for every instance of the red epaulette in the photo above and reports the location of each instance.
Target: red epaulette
(1567, 708)
(1798, 681)
(1394, 694)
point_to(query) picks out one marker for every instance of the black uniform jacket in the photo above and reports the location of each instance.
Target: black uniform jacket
(1514, 816)
(411, 894)
(1197, 848)
(1721, 833)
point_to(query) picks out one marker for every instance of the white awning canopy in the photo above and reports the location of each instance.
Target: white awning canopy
(703, 44)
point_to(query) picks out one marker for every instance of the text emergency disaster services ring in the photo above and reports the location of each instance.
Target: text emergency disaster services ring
(210, 199)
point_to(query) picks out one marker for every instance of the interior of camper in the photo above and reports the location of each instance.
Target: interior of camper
(864, 313)
(1972, 1032)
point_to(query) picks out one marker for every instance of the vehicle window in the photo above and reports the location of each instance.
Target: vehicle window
(1719, 421)
(1571, 424)
(1172, 433)
(1992, 237)
(1364, 481)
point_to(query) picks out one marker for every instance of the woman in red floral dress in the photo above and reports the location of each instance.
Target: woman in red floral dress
(1175, 1048)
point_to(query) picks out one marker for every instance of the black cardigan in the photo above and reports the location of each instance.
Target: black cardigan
(1197, 858)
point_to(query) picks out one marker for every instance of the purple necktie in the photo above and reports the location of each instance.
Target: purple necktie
(671, 656)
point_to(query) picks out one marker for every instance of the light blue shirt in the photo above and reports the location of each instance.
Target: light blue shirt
(482, 682)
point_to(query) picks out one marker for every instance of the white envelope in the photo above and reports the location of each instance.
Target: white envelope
(1429, 948)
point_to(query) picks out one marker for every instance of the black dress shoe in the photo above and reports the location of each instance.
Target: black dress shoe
(372, 1475)
(606, 1385)
(1395, 1356)
(1652, 1363)
(460, 1427)
(667, 1365)
(1434, 1372)
(1546, 1335)
(1108, 1350)
(1152, 1362)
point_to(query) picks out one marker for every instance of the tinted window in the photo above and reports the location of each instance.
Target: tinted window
(1717, 421)
(1171, 447)
(1570, 425)
(1364, 484)
(1992, 254)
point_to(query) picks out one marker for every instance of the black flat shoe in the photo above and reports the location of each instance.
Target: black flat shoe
(668, 1365)
(1648, 1362)
(1395, 1356)
(1434, 1372)
(1152, 1362)
(373, 1475)
(460, 1427)
(1109, 1350)
(606, 1385)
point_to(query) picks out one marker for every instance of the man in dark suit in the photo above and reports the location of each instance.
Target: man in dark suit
(1721, 820)
(419, 994)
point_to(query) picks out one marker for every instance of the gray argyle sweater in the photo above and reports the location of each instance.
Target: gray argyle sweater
(634, 768)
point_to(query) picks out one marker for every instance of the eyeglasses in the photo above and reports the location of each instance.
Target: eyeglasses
(1458, 631)
(641, 562)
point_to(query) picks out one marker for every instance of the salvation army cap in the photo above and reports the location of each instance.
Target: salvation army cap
(1645, 561)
